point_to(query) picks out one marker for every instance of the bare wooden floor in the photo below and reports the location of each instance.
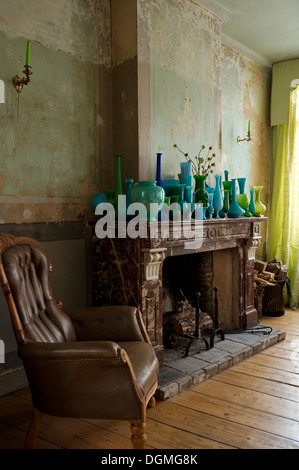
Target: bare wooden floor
(253, 405)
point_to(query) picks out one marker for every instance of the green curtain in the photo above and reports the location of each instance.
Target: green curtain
(283, 235)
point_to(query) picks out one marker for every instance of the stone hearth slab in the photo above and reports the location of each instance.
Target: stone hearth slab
(179, 373)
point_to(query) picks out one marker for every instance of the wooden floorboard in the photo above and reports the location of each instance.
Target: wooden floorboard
(252, 405)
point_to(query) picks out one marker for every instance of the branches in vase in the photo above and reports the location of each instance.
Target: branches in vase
(200, 165)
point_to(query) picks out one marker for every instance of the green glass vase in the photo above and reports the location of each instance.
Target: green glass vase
(259, 206)
(200, 193)
(228, 185)
(226, 201)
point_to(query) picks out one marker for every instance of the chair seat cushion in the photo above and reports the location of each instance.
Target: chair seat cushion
(144, 362)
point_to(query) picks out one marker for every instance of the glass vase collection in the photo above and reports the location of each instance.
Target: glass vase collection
(191, 194)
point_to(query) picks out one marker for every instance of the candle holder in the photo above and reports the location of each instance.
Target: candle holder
(248, 138)
(18, 82)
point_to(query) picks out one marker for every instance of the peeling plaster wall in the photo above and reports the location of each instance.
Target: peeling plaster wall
(245, 93)
(125, 86)
(79, 28)
(50, 158)
(185, 48)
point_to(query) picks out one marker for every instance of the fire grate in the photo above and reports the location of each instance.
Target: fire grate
(212, 332)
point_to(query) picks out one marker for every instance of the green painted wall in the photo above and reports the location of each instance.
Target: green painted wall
(49, 161)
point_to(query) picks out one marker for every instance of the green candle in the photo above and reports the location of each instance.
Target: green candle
(28, 53)
(248, 127)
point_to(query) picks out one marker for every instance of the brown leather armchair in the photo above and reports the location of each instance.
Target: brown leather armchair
(92, 362)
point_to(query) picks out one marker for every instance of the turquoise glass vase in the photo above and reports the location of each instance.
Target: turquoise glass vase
(242, 182)
(235, 211)
(98, 198)
(188, 194)
(210, 209)
(167, 184)
(217, 198)
(151, 196)
(186, 174)
(183, 204)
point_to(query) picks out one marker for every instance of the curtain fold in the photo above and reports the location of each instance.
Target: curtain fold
(283, 235)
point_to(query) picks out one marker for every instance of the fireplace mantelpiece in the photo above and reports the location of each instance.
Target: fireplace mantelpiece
(128, 271)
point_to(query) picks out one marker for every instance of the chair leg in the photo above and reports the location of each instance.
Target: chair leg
(138, 437)
(33, 429)
(152, 403)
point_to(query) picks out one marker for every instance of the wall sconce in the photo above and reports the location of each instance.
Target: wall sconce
(248, 138)
(18, 82)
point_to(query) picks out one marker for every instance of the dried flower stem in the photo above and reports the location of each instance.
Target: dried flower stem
(203, 166)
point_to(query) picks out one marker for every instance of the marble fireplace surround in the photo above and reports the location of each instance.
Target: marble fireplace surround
(130, 271)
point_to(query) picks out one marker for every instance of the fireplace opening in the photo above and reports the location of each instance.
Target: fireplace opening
(184, 276)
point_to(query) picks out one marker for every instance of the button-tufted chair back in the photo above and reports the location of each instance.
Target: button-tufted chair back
(26, 268)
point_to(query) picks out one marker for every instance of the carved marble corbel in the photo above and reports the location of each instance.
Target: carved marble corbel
(153, 258)
(251, 247)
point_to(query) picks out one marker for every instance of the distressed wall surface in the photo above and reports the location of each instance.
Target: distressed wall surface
(183, 53)
(171, 82)
(49, 165)
(245, 93)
